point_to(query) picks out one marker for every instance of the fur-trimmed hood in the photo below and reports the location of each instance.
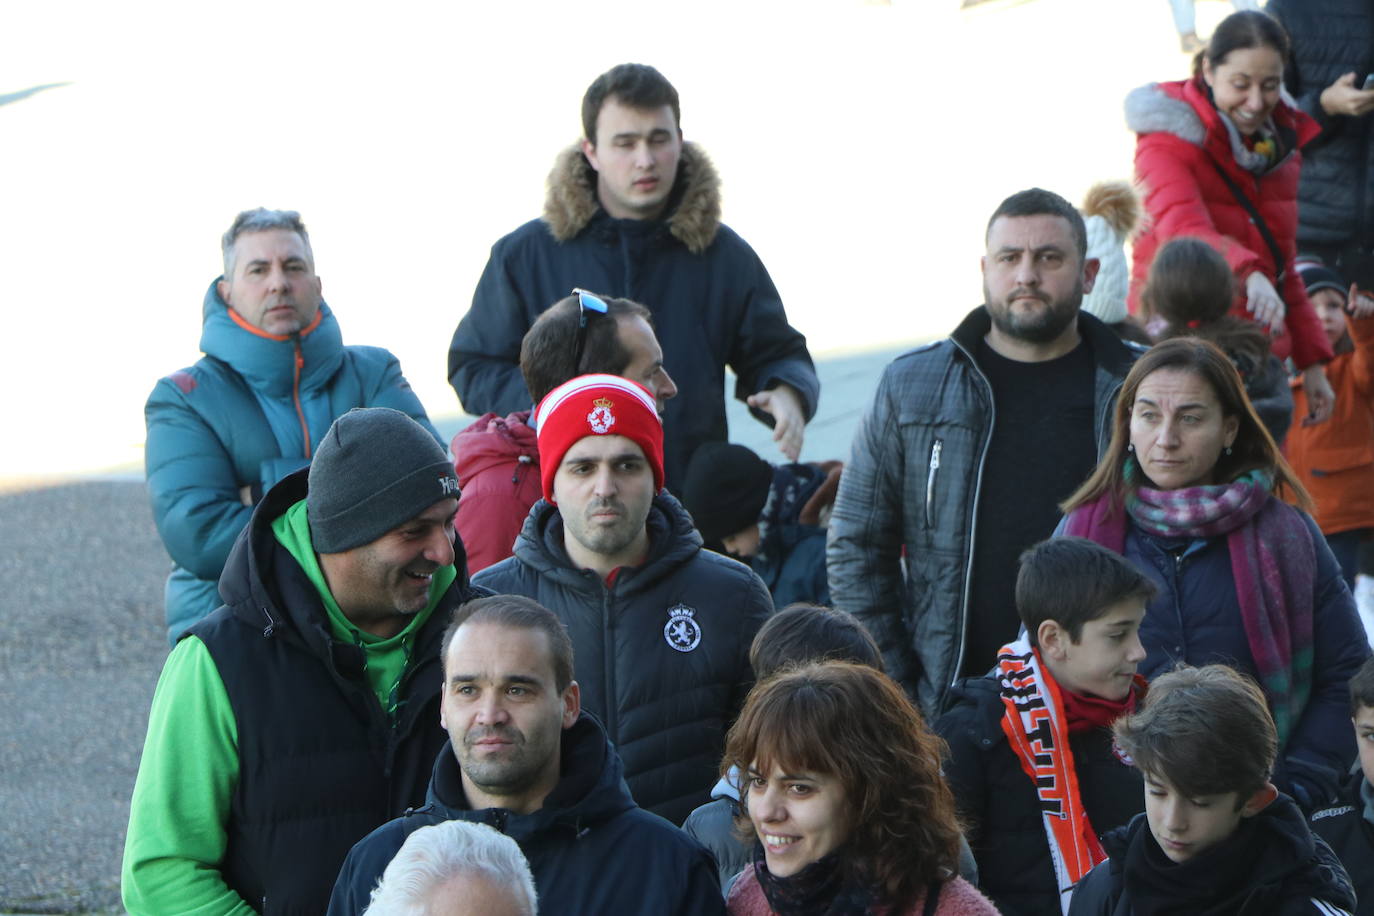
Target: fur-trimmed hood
(1184, 109)
(693, 208)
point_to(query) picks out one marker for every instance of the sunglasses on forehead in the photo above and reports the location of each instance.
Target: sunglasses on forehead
(586, 302)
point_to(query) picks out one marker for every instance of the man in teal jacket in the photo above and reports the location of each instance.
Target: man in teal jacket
(274, 376)
(303, 713)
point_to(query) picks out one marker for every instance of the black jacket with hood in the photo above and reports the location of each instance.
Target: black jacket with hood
(1271, 866)
(712, 300)
(662, 653)
(1347, 825)
(320, 765)
(590, 849)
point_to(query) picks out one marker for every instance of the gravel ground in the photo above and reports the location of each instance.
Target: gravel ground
(81, 569)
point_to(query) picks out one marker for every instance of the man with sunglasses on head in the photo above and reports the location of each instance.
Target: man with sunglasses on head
(661, 627)
(633, 211)
(497, 459)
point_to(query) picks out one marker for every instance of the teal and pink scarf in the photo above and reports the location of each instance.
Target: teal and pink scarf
(1273, 561)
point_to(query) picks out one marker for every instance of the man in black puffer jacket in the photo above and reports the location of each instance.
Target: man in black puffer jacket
(1332, 54)
(662, 628)
(527, 762)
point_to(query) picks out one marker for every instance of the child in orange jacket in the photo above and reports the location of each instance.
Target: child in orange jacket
(1335, 459)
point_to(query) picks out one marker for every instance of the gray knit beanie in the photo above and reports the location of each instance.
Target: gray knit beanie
(375, 469)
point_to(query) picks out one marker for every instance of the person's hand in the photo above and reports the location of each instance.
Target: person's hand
(1342, 98)
(789, 423)
(1321, 400)
(1358, 304)
(1262, 301)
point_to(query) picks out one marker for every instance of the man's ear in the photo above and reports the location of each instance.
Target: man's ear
(1090, 268)
(589, 150)
(1052, 639)
(572, 704)
(222, 288)
(1259, 801)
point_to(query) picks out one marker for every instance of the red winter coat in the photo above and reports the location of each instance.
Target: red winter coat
(1181, 140)
(497, 460)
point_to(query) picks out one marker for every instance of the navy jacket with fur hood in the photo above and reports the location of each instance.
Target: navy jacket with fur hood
(712, 300)
(662, 654)
(590, 849)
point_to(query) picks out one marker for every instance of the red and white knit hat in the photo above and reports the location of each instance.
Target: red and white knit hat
(597, 405)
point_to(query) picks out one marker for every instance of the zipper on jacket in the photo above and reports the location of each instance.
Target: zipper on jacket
(935, 450)
(612, 722)
(522, 462)
(972, 521)
(299, 363)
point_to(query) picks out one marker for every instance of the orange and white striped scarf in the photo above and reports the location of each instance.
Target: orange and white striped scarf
(1038, 733)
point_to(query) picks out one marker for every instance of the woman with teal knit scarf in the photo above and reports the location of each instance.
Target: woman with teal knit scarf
(1192, 489)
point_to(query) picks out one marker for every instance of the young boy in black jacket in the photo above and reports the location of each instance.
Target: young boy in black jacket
(1032, 764)
(1216, 836)
(1347, 825)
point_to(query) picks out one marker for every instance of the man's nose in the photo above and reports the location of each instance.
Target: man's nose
(667, 388)
(644, 156)
(439, 549)
(1026, 274)
(491, 709)
(604, 482)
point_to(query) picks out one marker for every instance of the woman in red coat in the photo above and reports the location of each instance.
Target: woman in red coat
(1212, 148)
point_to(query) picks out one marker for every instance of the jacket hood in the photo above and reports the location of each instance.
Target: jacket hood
(673, 542)
(283, 601)
(268, 362)
(693, 208)
(493, 441)
(591, 788)
(1184, 109)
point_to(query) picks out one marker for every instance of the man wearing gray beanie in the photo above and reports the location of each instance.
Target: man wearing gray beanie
(305, 711)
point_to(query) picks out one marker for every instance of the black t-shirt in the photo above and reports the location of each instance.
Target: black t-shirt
(1042, 448)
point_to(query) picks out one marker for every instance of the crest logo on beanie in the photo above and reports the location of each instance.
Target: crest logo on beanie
(682, 632)
(601, 419)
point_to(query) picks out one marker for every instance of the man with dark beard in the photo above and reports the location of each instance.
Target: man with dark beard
(527, 761)
(967, 449)
(662, 627)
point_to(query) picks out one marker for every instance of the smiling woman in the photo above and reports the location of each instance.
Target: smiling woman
(845, 800)
(1189, 491)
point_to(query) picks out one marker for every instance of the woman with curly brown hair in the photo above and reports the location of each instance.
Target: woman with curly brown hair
(845, 797)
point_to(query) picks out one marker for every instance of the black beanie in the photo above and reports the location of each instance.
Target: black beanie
(727, 486)
(1316, 275)
(375, 469)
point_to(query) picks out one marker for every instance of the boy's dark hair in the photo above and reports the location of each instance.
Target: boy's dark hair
(520, 613)
(1362, 687)
(802, 633)
(1072, 581)
(1206, 730)
(549, 346)
(1039, 202)
(1192, 288)
(633, 85)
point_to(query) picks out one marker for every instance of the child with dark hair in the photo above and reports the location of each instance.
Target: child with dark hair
(1216, 836)
(1335, 460)
(1032, 763)
(1348, 823)
(1189, 291)
(772, 517)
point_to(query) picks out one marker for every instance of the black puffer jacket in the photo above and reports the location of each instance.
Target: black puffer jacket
(1271, 866)
(319, 763)
(1336, 189)
(998, 802)
(1346, 826)
(662, 655)
(589, 848)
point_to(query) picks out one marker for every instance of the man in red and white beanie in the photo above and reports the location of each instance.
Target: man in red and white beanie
(661, 628)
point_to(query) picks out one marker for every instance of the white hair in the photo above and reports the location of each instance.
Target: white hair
(436, 854)
(262, 220)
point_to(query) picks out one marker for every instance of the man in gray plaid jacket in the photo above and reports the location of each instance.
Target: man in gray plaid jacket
(968, 448)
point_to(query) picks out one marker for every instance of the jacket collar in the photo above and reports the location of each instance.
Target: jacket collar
(590, 790)
(693, 209)
(673, 541)
(1110, 353)
(1183, 108)
(268, 363)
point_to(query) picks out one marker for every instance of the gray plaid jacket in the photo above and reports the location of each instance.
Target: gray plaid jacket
(913, 479)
